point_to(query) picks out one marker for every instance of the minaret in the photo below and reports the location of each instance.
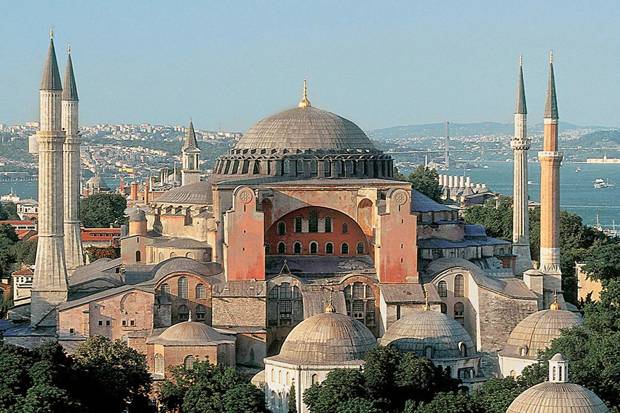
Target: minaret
(520, 217)
(74, 254)
(190, 156)
(550, 160)
(49, 286)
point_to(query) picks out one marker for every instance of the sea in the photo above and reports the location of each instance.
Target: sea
(577, 192)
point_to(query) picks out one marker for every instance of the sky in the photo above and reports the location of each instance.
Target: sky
(227, 64)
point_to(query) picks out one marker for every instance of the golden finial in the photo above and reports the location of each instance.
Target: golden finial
(551, 57)
(304, 102)
(555, 305)
(426, 306)
(329, 308)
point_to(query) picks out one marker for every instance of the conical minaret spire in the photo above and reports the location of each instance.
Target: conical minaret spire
(520, 215)
(49, 284)
(74, 254)
(550, 161)
(190, 157)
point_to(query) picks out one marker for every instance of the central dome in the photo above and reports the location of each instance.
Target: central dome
(305, 128)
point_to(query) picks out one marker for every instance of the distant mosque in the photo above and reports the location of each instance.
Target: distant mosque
(298, 254)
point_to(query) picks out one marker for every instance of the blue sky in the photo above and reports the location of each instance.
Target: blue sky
(228, 64)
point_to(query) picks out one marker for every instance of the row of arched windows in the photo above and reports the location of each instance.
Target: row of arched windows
(313, 224)
(183, 289)
(183, 312)
(459, 287)
(313, 248)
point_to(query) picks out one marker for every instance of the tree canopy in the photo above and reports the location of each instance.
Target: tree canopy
(8, 210)
(102, 210)
(206, 388)
(425, 180)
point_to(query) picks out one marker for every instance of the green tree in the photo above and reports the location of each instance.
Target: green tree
(102, 210)
(8, 210)
(426, 180)
(357, 405)
(209, 389)
(496, 394)
(25, 251)
(450, 402)
(495, 216)
(380, 365)
(292, 401)
(8, 238)
(113, 376)
(340, 386)
(602, 260)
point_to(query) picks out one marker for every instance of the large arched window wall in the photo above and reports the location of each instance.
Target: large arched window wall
(360, 302)
(184, 293)
(284, 305)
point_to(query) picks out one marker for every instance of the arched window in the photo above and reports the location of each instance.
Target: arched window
(201, 312)
(284, 305)
(360, 247)
(315, 379)
(313, 221)
(459, 312)
(329, 248)
(345, 228)
(428, 352)
(360, 302)
(201, 291)
(281, 228)
(165, 289)
(281, 248)
(161, 256)
(267, 249)
(298, 226)
(172, 255)
(328, 224)
(183, 312)
(314, 247)
(442, 289)
(459, 286)
(182, 287)
(524, 350)
(138, 256)
(463, 349)
(189, 362)
(297, 247)
(159, 364)
(344, 248)
(444, 308)
(189, 255)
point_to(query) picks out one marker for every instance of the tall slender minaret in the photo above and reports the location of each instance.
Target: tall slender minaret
(49, 286)
(520, 217)
(550, 160)
(74, 254)
(190, 157)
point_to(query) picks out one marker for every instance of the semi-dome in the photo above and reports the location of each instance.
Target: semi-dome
(198, 193)
(304, 142)
(190, 333)
(557, 395)
(423, 330)
(536, 331)
(305, 128)
(327, 338)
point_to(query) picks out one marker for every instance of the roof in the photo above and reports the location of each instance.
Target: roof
(23, 271)
(51, 75)
(189, 141)
(520, 105)
(186, 243)
(326, 338)
(103, 294)
(536, 332)
(183, 264)
(190, 333)
(99, 234)
(305, 128)
(70, 91)
(198, 193)
(418, 330)
(422, 203)
(429, 243)
(408, 293)
(102, 268)
(551, 101)
(549, 397)
(17, 222)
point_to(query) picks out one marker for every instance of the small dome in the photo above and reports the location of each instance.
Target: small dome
(137, 215)
(536, 331)
(417, 331)
(305, 128)
(198, 193)
(327, 338)
(190, 332)
(557, 398)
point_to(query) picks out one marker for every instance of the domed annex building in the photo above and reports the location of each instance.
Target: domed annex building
(439, 338)
(315, 347)
(557, 395)
(533, 335)
(303, 211)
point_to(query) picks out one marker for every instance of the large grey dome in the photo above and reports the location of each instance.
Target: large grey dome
(305, 128)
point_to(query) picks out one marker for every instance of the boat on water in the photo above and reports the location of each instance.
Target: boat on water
(600, 183)
(578, 169)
